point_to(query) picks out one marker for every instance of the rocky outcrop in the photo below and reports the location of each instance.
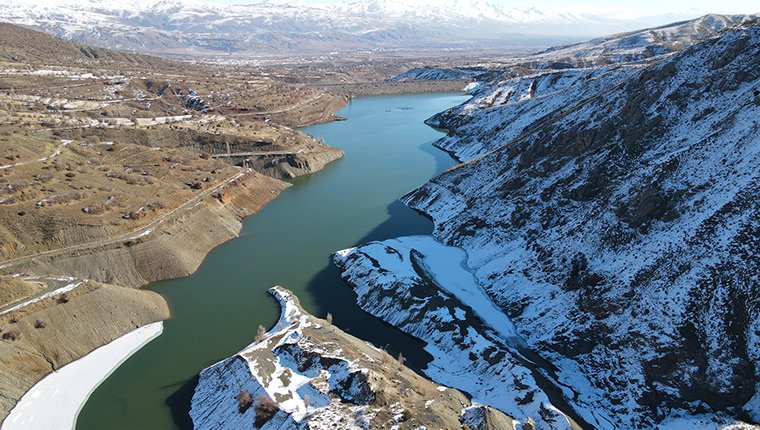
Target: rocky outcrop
(291, 165)
(307, 373)
(615, 223)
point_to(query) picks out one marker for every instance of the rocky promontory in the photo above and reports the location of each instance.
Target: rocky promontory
(306, 373)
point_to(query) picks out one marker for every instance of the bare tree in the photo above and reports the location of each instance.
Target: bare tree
(265, 409)
(245, 400)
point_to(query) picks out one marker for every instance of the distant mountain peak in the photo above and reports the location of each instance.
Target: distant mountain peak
(290, 26)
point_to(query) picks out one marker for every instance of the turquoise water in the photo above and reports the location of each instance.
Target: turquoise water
(216, 311)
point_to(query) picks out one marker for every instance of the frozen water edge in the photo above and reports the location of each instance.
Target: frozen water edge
(396, 267)
(55, 401)
(448, 267)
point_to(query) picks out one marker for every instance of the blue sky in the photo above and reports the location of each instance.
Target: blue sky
(632, 8)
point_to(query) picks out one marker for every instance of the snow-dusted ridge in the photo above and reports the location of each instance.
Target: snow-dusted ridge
(612, 213)
(204, 28)
(319, 376)
(424, 288)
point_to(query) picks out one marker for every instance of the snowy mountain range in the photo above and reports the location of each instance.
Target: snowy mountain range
(611, 213)
(275, 27)
(594, 257)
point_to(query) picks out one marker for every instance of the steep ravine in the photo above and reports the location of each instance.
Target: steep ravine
(604, 226)
(216, 310)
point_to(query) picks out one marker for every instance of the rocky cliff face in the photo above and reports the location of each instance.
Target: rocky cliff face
(611, 214)
(307, 374)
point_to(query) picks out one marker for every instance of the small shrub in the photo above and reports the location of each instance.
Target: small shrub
(63, 298)
(40, 324)
(265, 408)
(12, 335)
(245, 400)
(261, 333)
(406, 415)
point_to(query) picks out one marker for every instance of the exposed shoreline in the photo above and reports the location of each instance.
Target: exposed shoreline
(320, 375)
(172, 248)
(56, 400)
(153, 258)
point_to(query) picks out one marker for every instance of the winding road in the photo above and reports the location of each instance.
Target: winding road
(134, 234)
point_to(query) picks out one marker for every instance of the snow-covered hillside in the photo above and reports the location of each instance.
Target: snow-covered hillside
(515, 79)
(307, 374)
(268, 26)
(612, 214)
(423, 288)
(436, 74)
(636, 45)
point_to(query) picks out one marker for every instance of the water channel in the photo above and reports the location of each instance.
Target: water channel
(216, 311)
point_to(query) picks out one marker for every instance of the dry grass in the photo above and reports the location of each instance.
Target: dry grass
(13, 290)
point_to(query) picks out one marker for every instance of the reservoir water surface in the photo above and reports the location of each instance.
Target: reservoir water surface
(216, 311)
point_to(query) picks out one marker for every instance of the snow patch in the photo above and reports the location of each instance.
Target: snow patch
(55, 401)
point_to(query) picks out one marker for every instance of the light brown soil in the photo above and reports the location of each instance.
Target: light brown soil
(111, 174)
(95, 314)
(173, 248)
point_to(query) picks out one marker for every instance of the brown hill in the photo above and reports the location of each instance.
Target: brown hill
(24, 45)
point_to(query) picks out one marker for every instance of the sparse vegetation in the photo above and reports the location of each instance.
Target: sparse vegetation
(12, 335)
(245, 400)
(261, 333)
(265, 409)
